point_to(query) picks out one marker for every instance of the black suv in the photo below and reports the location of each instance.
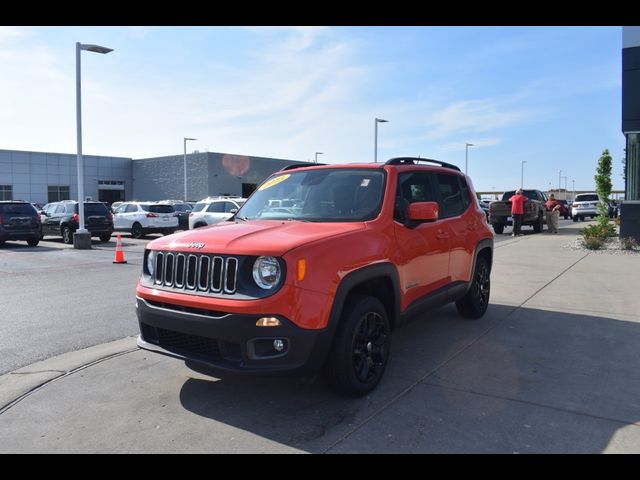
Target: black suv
(19, 221)
(62, 219)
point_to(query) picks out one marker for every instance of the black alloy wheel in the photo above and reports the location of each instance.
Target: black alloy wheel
(369, 347)
(136, 230)
(475, 303)
(67, 235)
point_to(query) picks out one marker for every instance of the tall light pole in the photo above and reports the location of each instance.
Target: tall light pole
(375, 145)
(565, 187)
(466, 155)
(574, 189)
(82, 238)
(185, 166)
(318, 153)
(522, 174)
(559, 180)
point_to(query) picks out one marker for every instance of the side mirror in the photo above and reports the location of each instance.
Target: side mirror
(422, 212)
(233, 210)
(43, 213)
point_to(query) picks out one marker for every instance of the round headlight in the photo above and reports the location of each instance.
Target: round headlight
(266, 272)
(151, 262)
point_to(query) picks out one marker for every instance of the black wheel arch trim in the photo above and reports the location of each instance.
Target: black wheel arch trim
(485, 243)
(348, 285)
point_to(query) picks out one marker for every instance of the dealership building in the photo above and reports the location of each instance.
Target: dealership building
(42, 177)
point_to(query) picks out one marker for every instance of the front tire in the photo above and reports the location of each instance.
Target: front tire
(33, 242)
(360, 349)
(105, 238)
(476, 301)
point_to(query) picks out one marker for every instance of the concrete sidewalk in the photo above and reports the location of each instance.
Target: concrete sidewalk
(553, 367)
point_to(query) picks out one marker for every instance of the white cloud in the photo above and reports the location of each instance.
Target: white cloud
(474, 116)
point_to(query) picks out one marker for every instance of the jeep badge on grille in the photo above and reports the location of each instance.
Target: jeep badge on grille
(197, 245)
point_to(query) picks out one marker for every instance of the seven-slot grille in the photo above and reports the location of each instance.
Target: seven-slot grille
(196, 272)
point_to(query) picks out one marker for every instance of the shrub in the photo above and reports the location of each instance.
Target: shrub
(628, 243)
(599, 231)
(593, 243)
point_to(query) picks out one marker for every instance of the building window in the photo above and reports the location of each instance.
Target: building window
(6, 192)
(633, 167)
(58, 193)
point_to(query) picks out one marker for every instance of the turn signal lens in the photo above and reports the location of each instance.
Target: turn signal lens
(301, 269)
(268, 322)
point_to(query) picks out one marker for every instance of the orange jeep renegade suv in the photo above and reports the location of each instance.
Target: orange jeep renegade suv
(317, 269)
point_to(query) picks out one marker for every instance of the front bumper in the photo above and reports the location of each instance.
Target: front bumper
(229, 342)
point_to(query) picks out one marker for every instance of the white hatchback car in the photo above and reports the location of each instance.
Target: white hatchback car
(140, 218)
(213, 210)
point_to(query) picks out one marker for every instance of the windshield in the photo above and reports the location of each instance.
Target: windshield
(327, 195)
(157, 208)
(527, 193)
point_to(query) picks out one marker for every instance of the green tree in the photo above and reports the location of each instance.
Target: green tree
(603, 175)
(603, 186)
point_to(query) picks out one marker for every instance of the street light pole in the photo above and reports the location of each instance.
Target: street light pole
(185, 166)
(318, 153)
(82, 238)
(559, 180)
(375, 144)
(574, 189)
(565, 187)
(466, 155)
(522, 174)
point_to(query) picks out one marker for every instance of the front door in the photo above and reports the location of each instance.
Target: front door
(423, 248)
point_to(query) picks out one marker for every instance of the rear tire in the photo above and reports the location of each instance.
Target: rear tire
(360, 349)
(67, 235)
(33, 242)
(538, 226)
(498, 228)
(136, 230)
(476, 301)
(105, 238)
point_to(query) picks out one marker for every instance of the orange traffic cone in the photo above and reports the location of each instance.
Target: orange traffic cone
(119, 253)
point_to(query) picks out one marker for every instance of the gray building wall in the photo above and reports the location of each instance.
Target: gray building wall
(31, 173)
(159, 178)
(208, 174)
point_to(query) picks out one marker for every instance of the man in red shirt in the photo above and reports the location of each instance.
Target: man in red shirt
(553, 214)
(517, 211)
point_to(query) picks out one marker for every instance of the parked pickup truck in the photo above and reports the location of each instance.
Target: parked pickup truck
(534, 211)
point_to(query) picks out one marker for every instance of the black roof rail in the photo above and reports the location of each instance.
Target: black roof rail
(300, 165)
(413, 160)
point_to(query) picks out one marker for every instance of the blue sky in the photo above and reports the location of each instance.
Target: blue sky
(548, 96)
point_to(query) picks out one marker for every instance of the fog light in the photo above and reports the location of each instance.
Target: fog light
(278, 345)
(268, 322)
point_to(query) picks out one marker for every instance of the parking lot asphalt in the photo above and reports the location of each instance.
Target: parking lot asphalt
(553, 367)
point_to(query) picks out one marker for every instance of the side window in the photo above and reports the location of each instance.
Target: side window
(412, 187)
(70, 208)
(131, 208)
(59, 209)
(216, 207)
(121, 209)
(466, 196)
(451, 202)
(228, 206)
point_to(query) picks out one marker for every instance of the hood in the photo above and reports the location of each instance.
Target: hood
(259, 237)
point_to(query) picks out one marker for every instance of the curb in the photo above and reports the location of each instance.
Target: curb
(17, 384)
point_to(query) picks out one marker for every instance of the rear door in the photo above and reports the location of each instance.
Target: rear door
(459, 221)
